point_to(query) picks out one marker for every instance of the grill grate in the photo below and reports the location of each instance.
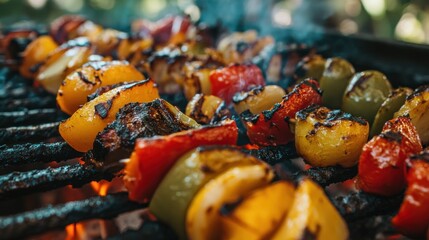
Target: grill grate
(22, 105)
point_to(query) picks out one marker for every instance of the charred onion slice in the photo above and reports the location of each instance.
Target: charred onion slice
(258, 99)
(271, 127)
(62, 61)
(153, 157)
(328, 138)
(312, 216)
(242, 47)
(382, 162)
(207, 109)
(203, 164)
(413, 219)
(417, 108)
(75, 89)
(64, 28)
(197, 75)
(35, 53)
(166, 68)
(247, 219)
(202, 220)
(83, 126)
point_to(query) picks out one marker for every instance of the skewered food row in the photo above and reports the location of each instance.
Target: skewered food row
(116, 86)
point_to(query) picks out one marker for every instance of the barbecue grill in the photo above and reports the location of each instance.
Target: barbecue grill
(34, 160)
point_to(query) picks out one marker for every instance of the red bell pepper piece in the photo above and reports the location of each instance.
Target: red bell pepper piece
(381, 168)
(413, 217)
(153, 157)
(227, 81)
(272, 127)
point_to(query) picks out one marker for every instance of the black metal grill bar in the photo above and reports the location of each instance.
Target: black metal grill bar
(149, 230)
(59, 216)
(28, 133)
(29, 103)
(325, 176)
(360, 205)
(21, 183)
(274, 155)
(352, 207)
(30, 117)
(35, 153)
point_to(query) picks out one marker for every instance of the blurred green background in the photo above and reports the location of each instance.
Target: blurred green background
(393, 19)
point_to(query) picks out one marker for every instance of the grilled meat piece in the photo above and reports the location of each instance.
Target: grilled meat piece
(134, 121)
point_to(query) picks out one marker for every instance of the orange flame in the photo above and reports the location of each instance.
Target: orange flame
(100, 187)
(74, 231)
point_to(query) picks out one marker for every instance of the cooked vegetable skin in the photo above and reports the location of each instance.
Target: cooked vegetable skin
(206, 109)
(153, 157)
(413, 219)
(365, 93)
(35, 53)
(240, 47)
(227, 81)
(310, 67)
(62, 61)
(312, 216)
(83, 126)
(178, 189)
(202, 220)
(417, 108)
(133, 121)
(382, 162)
(388, 108)
(258, 99)
(272, 127)
(259, 214)
(328, 138)
(76, 87)
(335, 78)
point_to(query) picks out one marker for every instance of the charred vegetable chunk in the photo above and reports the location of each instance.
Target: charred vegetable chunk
(137, 120)
(247, 219)
(178, 189)
(328, 138)
(365, 93)
(227, 81)
(35, 54)
(153, 157)
(312, 216)
(62, 61)
(197, 75)
(413, 219)
(83, 126)
(417, 108)
(166, 68)
(271, 127)
(202, 220)
(388, 108)
(258, 99)
(206, 109)
(382, 162)
(310, 67)
(76, 87)
(335, 78)
(240, 47)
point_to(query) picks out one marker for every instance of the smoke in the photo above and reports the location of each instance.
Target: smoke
(308, 17)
